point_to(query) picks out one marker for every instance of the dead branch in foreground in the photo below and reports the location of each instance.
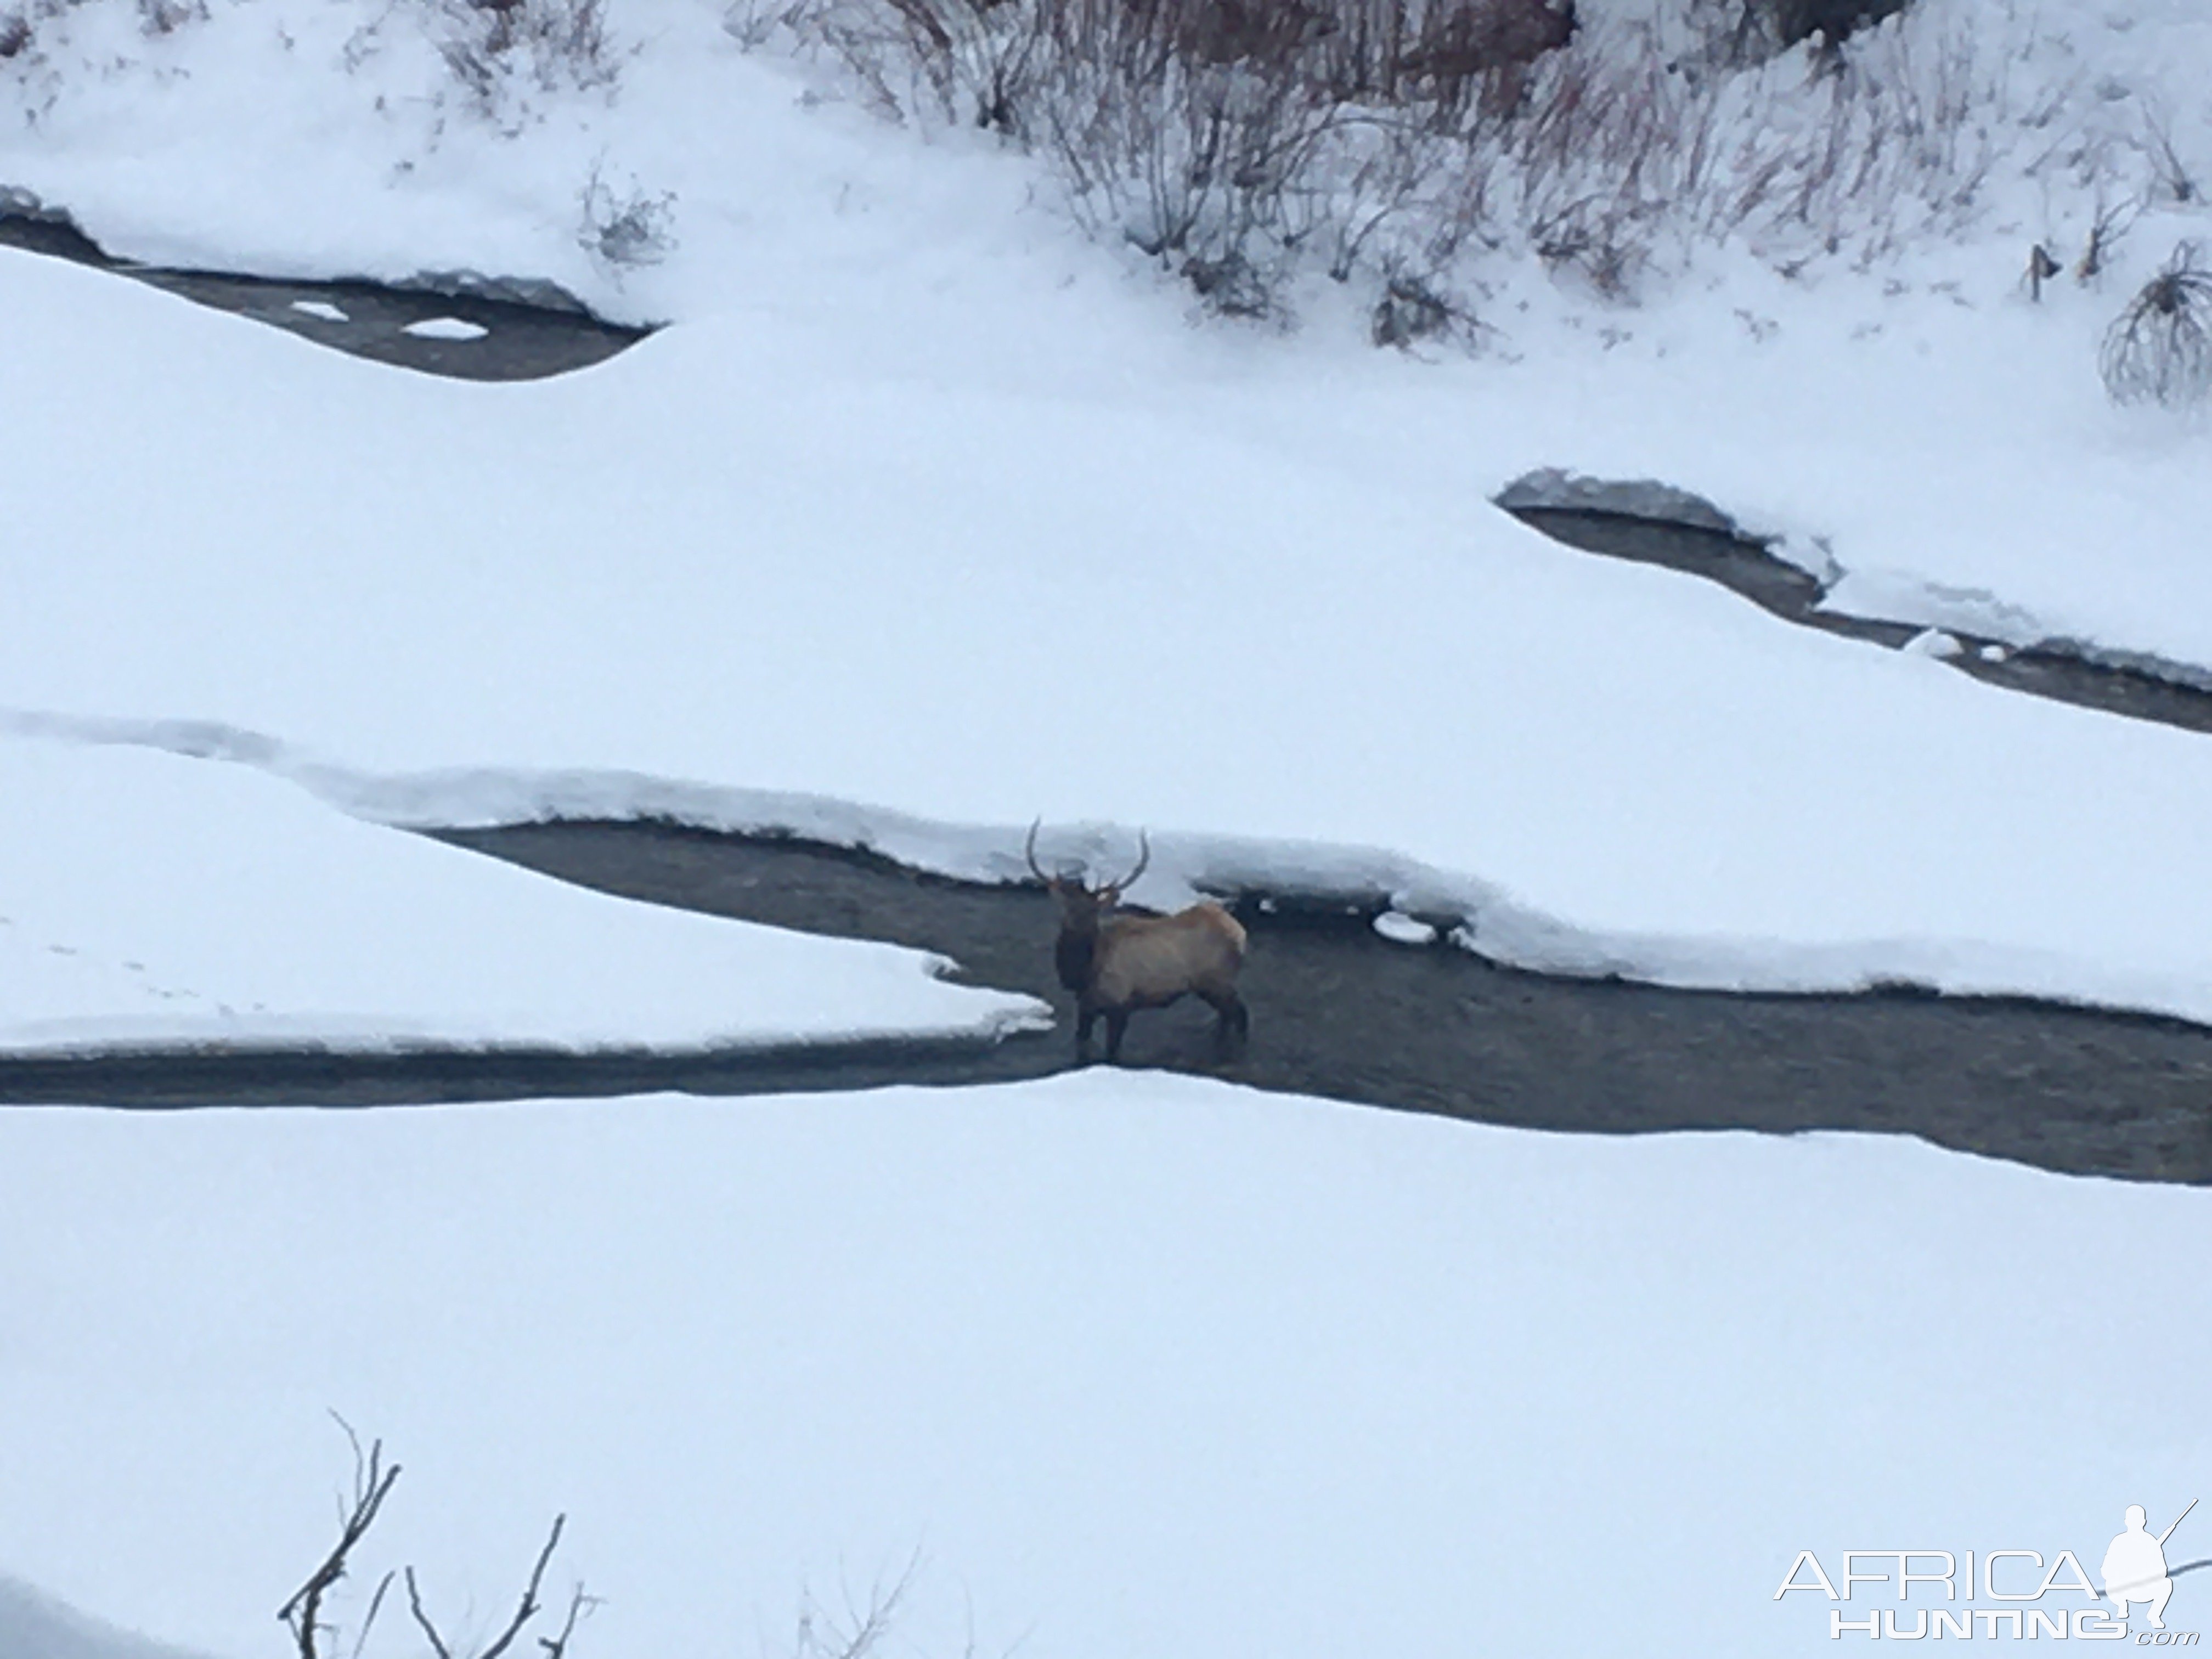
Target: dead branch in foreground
(373, 1481)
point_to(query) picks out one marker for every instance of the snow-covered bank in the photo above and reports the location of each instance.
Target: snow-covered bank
(151, 900)
(1477, 914)
(1946, 437)
(1143, 1364)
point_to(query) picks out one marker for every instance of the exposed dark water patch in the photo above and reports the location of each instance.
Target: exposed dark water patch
(1336, 1010)
(1339, 1011)
(1743, 565)
(522, 339)
(158, 1079)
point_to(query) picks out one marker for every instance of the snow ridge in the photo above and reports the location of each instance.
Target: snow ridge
(1456, 908)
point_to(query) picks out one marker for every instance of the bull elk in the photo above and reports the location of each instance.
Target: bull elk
(1116, 963)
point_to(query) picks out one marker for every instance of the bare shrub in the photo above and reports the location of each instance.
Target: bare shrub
(19, 23)
(624, 228)
(1178, 141)
(1734, 33)
(373, 1481)
(753, 23)
(2159, 349)
(1835, 20)
(314, 1636)
(528, 1609)
(855, 1630)
(1240, 144)
(1225, 138)
(1413, 310)
(495, 47)
(2174, 177)
(987, 59)
(2106, 229)
(159, 17)
(977, 56)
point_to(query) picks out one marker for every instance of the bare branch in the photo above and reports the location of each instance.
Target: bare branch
(302, 1614)
(529, 1608)
(580, 1605)
(371, 1484)
(823, 1635)
(2108, 226)
(375, 1603)
(422, 1619)
(360, 1464)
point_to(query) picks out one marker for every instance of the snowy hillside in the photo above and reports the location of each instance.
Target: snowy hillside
(1897, 396)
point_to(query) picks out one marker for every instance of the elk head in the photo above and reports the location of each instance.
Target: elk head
(1081, 907)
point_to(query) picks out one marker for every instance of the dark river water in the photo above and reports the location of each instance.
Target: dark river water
(1336, 1011)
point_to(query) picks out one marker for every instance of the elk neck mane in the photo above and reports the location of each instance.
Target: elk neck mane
(1074, 951)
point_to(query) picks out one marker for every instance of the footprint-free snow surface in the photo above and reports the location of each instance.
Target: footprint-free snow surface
(1140, 1364)
(152, 901)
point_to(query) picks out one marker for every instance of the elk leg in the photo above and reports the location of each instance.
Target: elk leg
(1117, 1021)
(1085, 1012)
(1234, 1021)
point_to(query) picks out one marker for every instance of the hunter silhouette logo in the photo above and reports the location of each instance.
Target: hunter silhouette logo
(2135, 1566)
(2020, 1593)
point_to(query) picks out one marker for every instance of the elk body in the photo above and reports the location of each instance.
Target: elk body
(1116, 963)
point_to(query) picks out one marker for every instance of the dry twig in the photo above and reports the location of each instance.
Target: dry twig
(371, 1484)
(529, 1609)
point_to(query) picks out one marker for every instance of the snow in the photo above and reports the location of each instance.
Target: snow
(445, 328)
(154, 900)
(1401, 929)
(1635, 498)
(926, 517)
(869, 592)
(34, 1625)
(1933, 643)
(319, 308)
(1139, 1364)
(921, 485)
(1941, 432)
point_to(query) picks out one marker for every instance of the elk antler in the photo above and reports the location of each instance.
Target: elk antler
(1144, 858)
(1029, 851)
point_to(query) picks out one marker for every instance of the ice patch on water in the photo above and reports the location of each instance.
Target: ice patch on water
(447, 328)
(1933, 642)
(1559, 490)
(1401, 929)
(1899, 596)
